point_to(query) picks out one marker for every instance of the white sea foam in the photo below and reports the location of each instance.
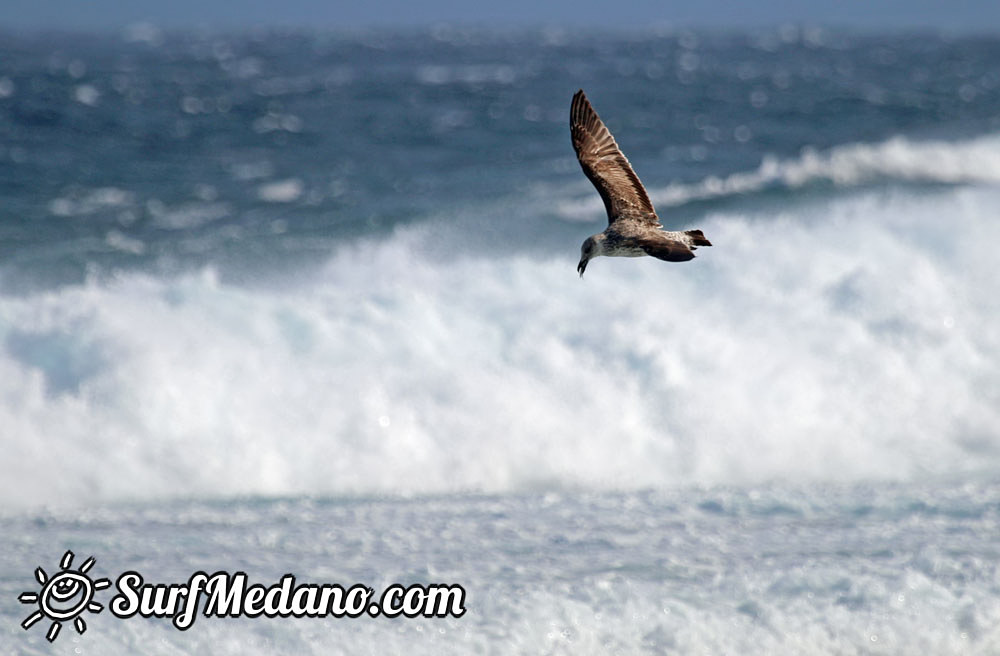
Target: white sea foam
(87, 94)
(848, 340)
(813, 570)
(281, 191)
(965, 162)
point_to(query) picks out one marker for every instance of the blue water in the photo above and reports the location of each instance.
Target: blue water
(307, 302)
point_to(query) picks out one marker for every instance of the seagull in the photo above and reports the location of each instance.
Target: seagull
(633, 227)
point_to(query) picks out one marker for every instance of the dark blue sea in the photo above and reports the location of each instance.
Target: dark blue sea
(306, 302)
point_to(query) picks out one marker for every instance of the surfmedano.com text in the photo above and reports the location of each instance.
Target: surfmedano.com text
(230, 595)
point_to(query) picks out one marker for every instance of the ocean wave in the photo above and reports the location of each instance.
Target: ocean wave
(972, 161)
(859, 346)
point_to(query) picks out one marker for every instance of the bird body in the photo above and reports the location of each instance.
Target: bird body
(633, 229)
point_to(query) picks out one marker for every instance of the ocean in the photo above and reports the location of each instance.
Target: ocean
(306, 302)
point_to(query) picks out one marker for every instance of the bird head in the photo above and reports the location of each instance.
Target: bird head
(590, 249)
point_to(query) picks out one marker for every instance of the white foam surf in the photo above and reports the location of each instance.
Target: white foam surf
(845, 341)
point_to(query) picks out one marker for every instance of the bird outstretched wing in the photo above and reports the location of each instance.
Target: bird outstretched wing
(606, 166)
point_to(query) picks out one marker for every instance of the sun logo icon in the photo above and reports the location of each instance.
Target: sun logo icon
(64, 596)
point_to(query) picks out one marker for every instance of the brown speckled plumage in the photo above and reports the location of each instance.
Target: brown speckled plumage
(633, 228)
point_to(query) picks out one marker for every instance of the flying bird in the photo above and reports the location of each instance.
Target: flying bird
(633, 228)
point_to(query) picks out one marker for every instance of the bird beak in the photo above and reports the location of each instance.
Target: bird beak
(581, 267)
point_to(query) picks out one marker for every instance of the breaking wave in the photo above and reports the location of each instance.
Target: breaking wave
(974, 161)
(862, 346)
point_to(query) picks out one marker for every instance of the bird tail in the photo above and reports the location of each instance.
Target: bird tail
(697, 238)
